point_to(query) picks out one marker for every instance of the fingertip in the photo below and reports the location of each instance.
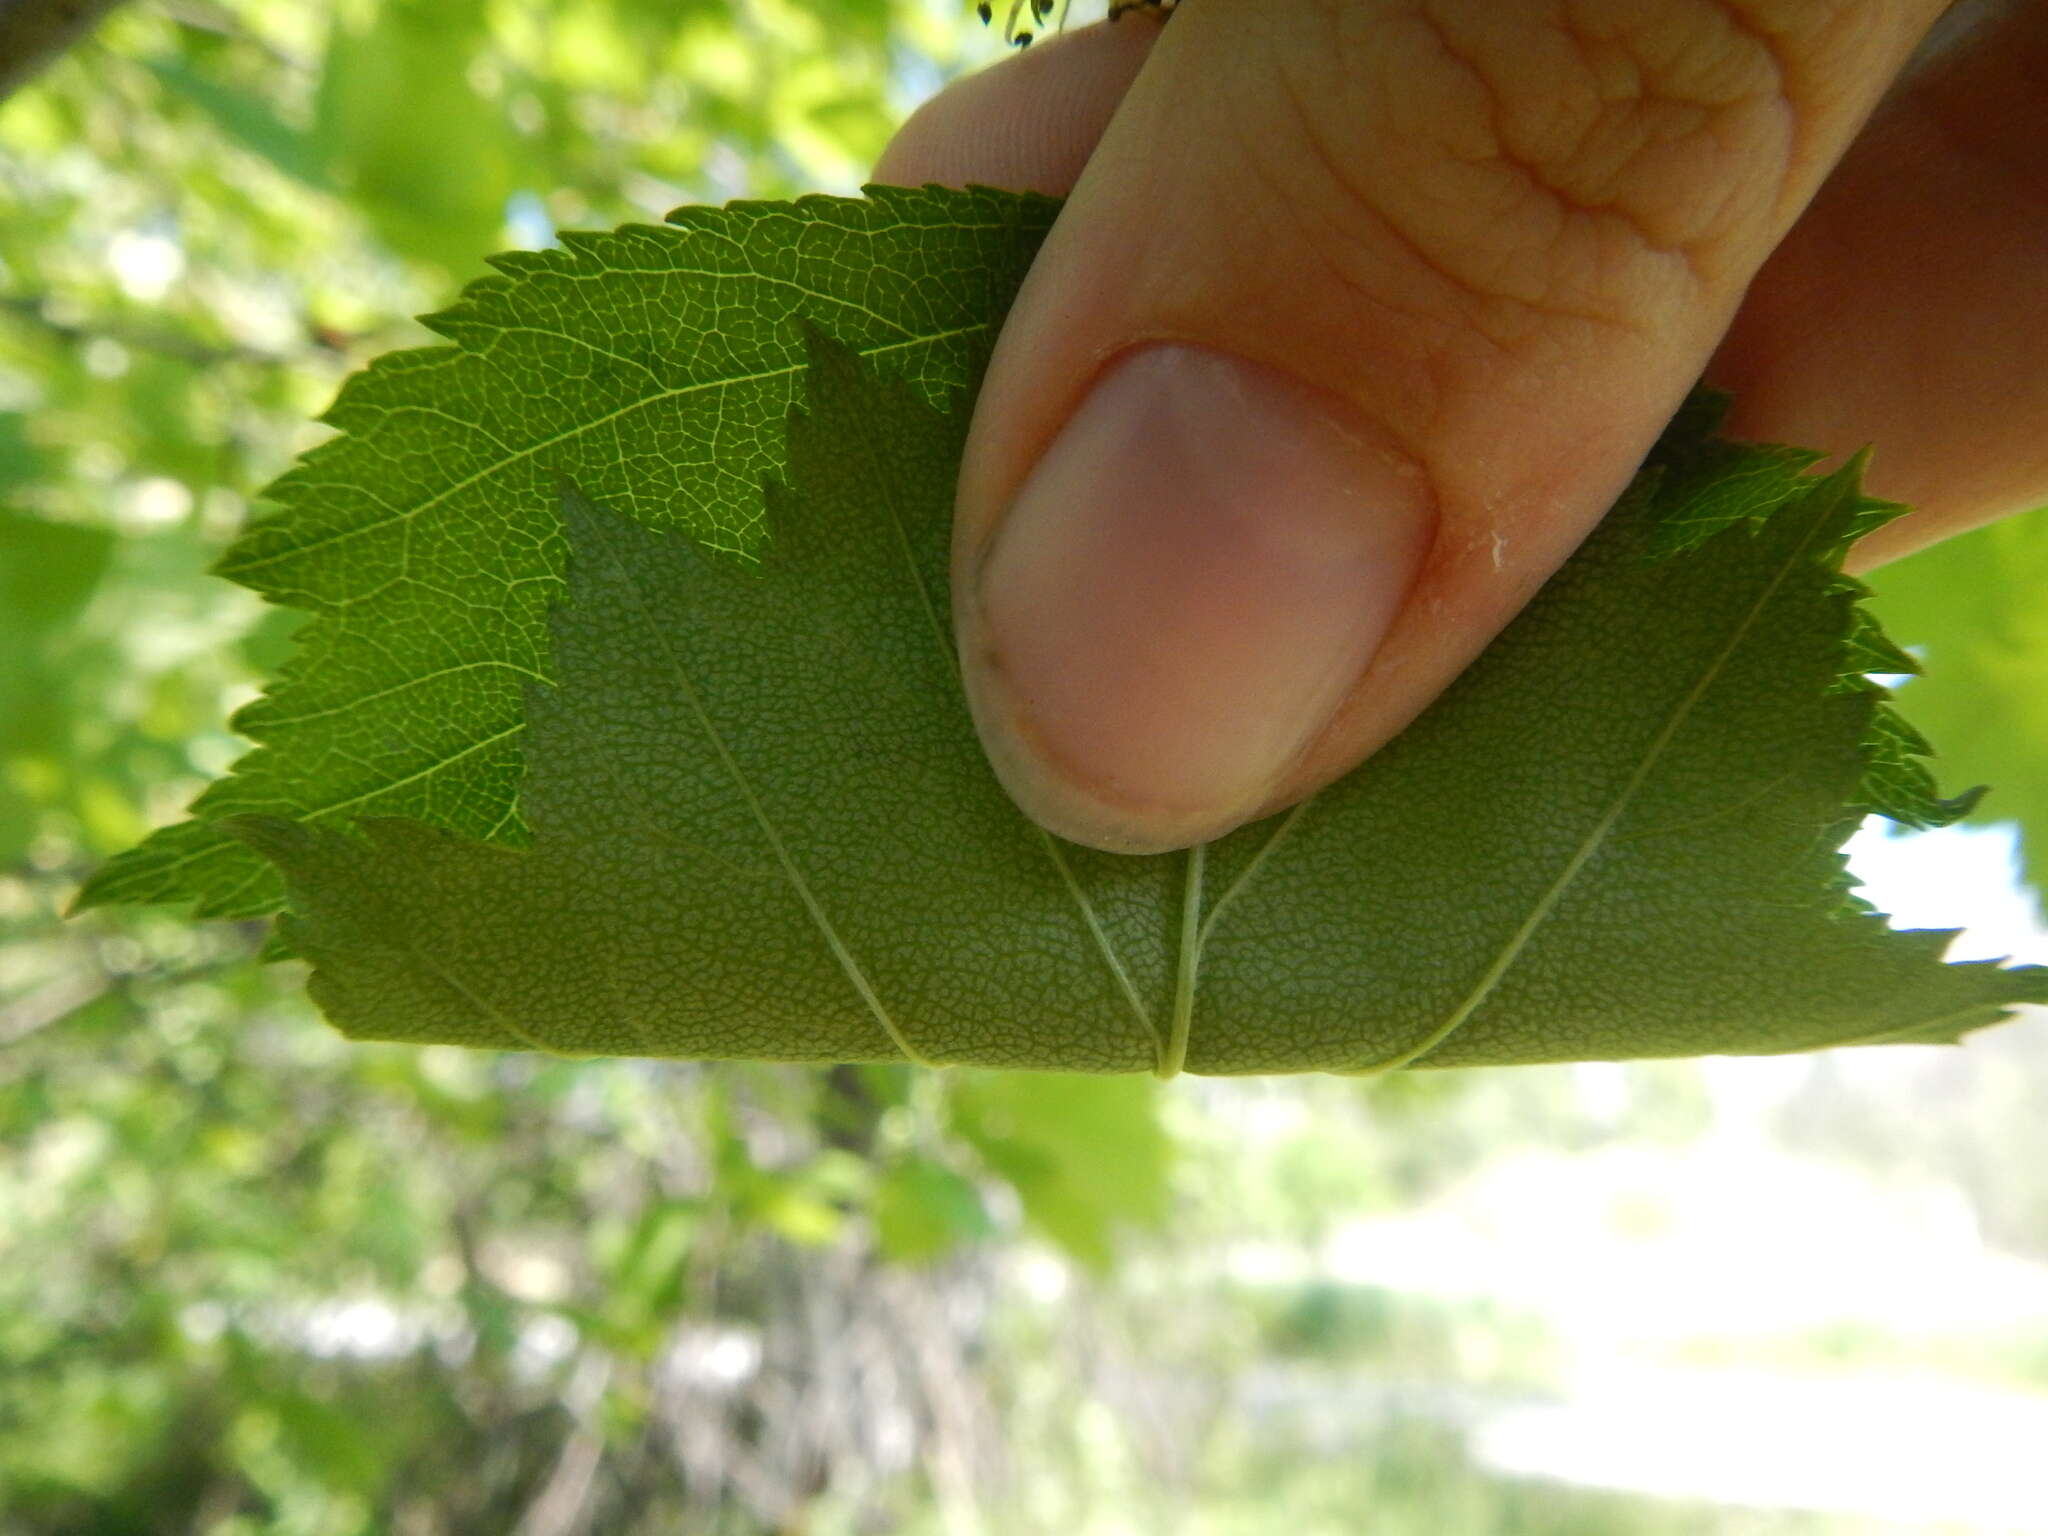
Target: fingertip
(1027, 124)
(1181, 595)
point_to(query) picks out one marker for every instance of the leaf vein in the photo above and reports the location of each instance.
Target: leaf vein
(1596, 836)
(240, 569)
(886, 489)
(848, 964)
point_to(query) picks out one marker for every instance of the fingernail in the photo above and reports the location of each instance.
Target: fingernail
(1184, 590)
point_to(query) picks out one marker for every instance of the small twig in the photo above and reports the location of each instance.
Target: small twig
(34, 32)
(558, 1509)
(32, 308)
(49, 1004)
(202, 16)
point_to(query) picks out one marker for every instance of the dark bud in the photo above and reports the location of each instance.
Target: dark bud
(985, 11)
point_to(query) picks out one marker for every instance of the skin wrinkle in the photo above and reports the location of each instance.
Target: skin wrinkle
(1794, 53)
(1505, 319)
(1646, 122)
(1497, 281)
(1400, 160)
(1331, 226)
(1509, 209)
(1360, 200)
(1583, 174)
(1430, 370)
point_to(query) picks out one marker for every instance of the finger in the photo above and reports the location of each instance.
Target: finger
(1028, 124)
(1358, 318)
(1908, 308)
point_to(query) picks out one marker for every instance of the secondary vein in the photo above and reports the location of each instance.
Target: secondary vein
(238, 569)
(1597, 835)
(886, 490)
(855, 976)
(433, 966)
(1253, 865)
(1176, 1055)
(1102, 943)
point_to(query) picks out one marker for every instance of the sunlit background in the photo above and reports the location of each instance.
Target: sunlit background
(253, 1279)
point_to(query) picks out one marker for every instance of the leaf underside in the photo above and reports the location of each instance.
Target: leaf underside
(761, 825)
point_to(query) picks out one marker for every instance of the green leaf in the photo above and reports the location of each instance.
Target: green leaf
(1972, 606)
(248, 119)
(48, 573)
(763, 826)
(419, 148)
(924, 1210)
(21, 460)
(1086, 1155)
(654, 366)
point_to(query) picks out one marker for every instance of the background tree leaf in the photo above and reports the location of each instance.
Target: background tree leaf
(382, 98)
(924, 1209)
(1972, 609)
(48, 572)
(1086, 1155)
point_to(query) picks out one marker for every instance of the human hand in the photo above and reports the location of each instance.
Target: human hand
(1361, 313)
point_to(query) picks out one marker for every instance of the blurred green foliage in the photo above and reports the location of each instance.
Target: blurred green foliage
(1971, 610)
(251, 1279)
(255, 1280)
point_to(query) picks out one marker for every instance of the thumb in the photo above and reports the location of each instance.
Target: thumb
(1360, 315)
